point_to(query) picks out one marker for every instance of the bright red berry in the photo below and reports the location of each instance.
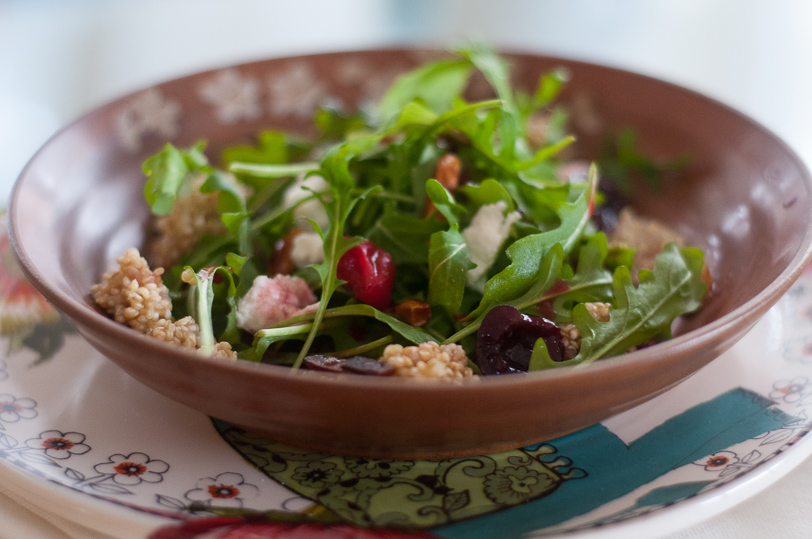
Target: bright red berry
(370, 273)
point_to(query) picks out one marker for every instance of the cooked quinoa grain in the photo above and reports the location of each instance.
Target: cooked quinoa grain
(428, 360)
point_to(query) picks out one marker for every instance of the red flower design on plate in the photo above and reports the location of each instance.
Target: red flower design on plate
(718, 461)
(60, 445)
(226, 490)
(132, 469)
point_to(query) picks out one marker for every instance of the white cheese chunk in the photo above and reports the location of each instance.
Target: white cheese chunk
(484, 237)
(307, 248)
(302, 188)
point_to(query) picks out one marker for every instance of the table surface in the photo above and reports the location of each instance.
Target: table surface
(59, 59)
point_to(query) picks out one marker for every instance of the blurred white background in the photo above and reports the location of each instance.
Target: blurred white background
(61, 58)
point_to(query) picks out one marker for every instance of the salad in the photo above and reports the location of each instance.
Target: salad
(427, 236)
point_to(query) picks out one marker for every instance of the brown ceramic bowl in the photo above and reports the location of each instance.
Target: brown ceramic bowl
(746, 199)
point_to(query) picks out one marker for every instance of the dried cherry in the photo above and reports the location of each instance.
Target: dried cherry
(354, 365)
(506, 338)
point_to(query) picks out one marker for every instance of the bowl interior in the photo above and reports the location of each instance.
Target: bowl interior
(744, 198)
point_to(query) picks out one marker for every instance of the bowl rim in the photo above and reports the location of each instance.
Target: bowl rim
(81, 313)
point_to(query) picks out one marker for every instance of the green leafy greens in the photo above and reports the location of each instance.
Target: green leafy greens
(385, 184)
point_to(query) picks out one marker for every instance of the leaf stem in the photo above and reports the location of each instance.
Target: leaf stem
(272, 171)
(358, 350)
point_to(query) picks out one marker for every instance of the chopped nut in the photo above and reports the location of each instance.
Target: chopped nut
(599, 310)
(414, 312)
(537, 128)
(447, 172)
(571, 337)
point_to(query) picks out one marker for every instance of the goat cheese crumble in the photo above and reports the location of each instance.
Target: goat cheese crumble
(489, 229)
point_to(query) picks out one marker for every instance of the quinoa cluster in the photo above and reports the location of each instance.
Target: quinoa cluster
(193, 216)
(428, 360)
(135, 295)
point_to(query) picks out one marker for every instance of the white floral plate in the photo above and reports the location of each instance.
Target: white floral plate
(84, 441)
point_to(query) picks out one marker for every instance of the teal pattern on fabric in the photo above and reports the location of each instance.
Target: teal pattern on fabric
(615, 469)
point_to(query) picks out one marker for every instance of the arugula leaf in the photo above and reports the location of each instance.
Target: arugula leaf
(526, 254)
(590, 283)
(404, 237)
(489, 191)
(413, 113)
(640, 313)
(549, 271)
(545, 277)
(545, 153)
(435, 84)
(165, 173)
(334, 124)
(627, 161)
(273, 171)
(550, 85)
(335, 170)
(234, 266)
(540, 358)
(264, 338)
(204, 298)
(444, 202)
(272, 149)
(495, 70)
(448, 266)
(231, 199)
(305, 323)
(458, 113)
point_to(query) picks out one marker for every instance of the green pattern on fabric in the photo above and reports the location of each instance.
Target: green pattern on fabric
(408, 493)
